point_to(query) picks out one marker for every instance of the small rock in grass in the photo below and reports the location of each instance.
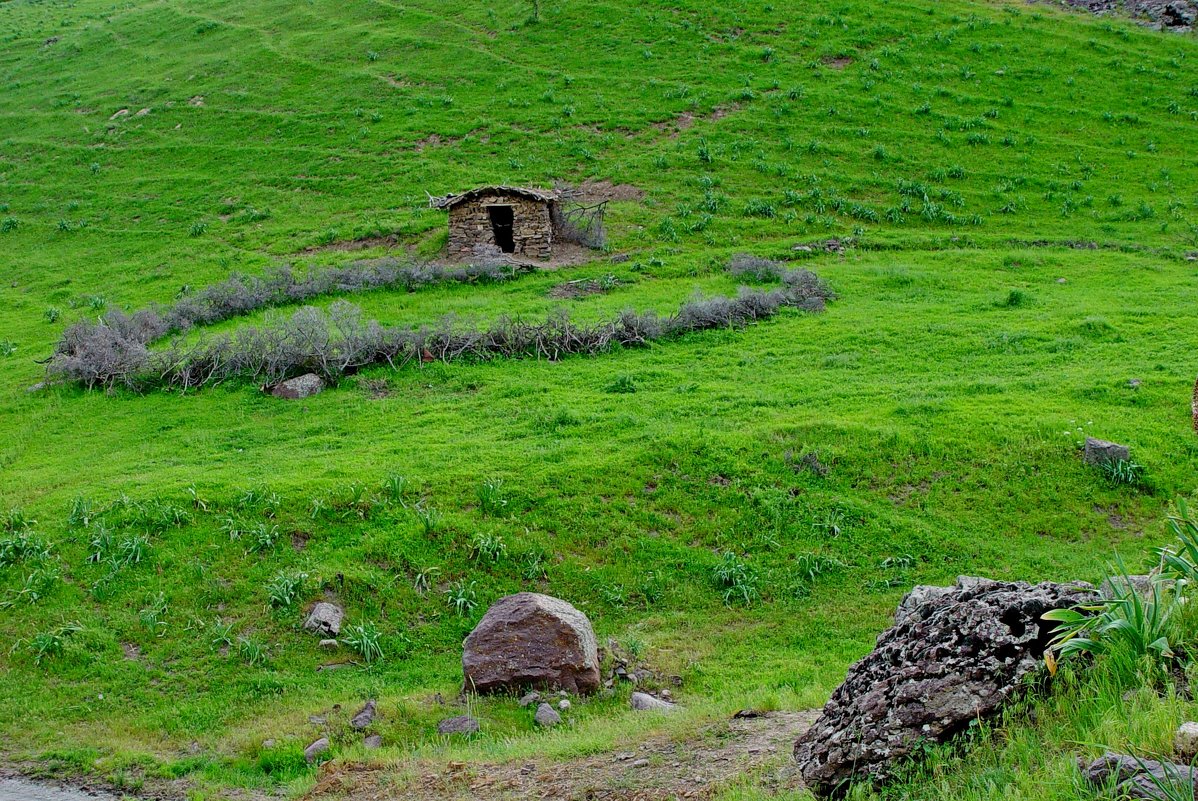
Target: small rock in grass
(1132, 777)
(364, 716)
(329, 645)
(317, 720)
(1140, 584)
(643, 702)
(373, 741)
(640, 763)
(304, 386)
(268, 744)
(325, 618)
(530, 698)
(1185, 742)
(462, 724)
(547, 716)
(563, 704)
(313, 751)
(1100, 451)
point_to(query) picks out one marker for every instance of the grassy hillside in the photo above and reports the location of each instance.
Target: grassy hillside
(1016, 187)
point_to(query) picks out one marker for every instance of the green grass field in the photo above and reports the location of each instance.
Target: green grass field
(1018, 188)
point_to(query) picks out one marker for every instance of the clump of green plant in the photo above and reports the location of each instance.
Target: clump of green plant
(251, 651)
(1015, 299)
(38, 583)
(263, 537)
(462, 597)
(284, 589)
(429, 517)
(737, 579)
(365, 639)
(395, 487)
(491, 499)
(81, 514)
(487, 548)
(50, 644)
(1138, 625)
(22, 546)
(622, 385)
(153, 617)
(1122, 472)
(51, 314)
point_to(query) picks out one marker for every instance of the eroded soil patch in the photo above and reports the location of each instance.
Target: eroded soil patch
(658, 769)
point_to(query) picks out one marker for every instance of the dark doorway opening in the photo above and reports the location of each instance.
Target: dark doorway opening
(502, 218)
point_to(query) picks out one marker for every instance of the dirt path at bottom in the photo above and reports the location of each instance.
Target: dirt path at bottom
(656, 769)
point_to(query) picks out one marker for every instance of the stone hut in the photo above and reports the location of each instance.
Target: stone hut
(501, 219)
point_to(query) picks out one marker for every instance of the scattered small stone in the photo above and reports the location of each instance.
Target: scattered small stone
(1061, 281)
(1100, 451)
(640, 763)
(304, 386)
(364, 716)
(330, 645)
(547, 716)
(1140, 584)
(1134, 383)
(643, 702)
(563, 704)
(119, 113)
(268, 744)
(667, 695)
(527, 769)
(142, 113)
(317, 720)
(325, 618)
(313, 751)
(1185, 742)
(373, 741)
(462, 724)
(1136, 778)
(530, 698)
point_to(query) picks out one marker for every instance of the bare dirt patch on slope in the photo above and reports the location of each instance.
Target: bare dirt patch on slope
(660, 768)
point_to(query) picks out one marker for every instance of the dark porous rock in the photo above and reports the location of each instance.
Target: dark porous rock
(304, 386)
(462, 724)
(547, 716)
(1099, 451)
(314, 751)
(325, 619)
(364, 716)
(1131, 777)
(1172, 15)
(529, 640)
(954, 655)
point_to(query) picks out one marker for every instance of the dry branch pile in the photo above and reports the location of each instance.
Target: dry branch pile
(115, 350)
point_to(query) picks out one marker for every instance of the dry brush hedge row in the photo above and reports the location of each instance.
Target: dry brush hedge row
(115, 351)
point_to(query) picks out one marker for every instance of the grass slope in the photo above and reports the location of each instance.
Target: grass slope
(975, 153)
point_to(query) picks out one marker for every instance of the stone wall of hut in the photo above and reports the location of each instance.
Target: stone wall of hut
(470, 231)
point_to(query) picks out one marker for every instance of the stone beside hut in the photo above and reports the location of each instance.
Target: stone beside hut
(498, 220)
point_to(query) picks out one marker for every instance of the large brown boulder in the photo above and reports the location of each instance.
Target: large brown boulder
(529, 640)
(954, 655)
